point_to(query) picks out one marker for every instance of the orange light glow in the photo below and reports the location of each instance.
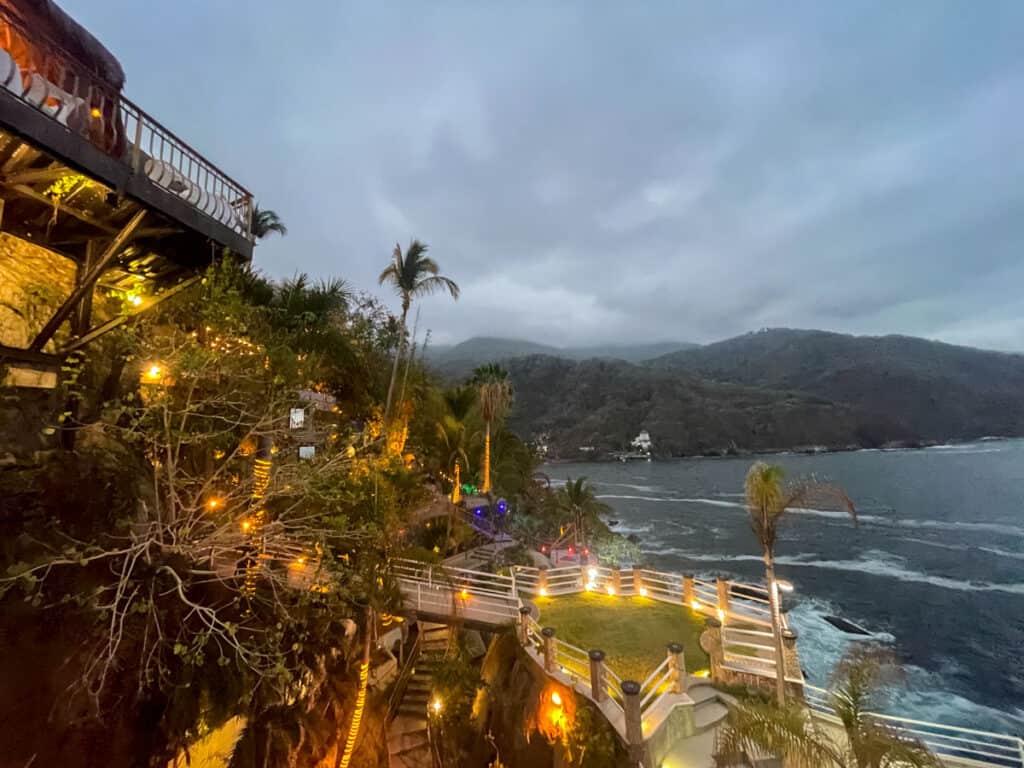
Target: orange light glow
(721, 615)
(543, 592)
(213, 503)
(695, 604)
(153, 372)
(556, 698)
(643, 591)
(611, 590)
(464, 594)
(96, 112)
(246, 525)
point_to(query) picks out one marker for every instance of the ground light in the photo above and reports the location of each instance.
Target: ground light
(695, 604)
(643, 591)
(721, 615)
(611, 590)
(435, 705)
(543, 592)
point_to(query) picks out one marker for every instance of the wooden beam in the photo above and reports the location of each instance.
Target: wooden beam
(88, 281)
(110, 325)
(39, 360)
(37, 175)
(31, 194)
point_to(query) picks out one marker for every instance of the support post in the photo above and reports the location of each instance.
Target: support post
(542, 581)
(791, 660)
(550, 649)
(711, 642)
(617, 579)
(677, 664)
(638, 580)
(723, 594)
(689, 594)
(524, 626)
(597, 687)
(634, 722)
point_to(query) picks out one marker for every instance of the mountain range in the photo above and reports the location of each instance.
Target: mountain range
(774, 389)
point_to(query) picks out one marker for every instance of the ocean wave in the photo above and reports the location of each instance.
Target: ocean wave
(632, 528)
(1003, 552)
(634, 498)
(644, 488)
(685, 530)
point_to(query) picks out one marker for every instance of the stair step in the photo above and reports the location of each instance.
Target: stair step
(403, 742)
(708, 714)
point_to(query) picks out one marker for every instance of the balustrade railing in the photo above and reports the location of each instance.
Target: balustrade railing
(40, 73)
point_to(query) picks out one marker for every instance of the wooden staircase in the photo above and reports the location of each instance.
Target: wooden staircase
(408, 742)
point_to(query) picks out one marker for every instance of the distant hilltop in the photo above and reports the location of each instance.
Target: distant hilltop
(456, 359)
(776, 389)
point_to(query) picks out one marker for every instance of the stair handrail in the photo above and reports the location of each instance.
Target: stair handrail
(404, 676)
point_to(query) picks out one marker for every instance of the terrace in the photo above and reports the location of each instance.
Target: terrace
(94, 192)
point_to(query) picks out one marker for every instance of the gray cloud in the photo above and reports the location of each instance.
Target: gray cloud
(601, 172)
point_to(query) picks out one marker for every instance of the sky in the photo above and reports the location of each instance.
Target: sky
(601, 172)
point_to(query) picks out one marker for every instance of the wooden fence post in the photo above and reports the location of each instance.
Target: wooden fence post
(617, 579)
(524, 626)
(711, 642)
(542, 581)
(723, 595)
(689, 595)
(677, 663)
(638, 581)
(597, 689)
(550, 649)
(634, 722)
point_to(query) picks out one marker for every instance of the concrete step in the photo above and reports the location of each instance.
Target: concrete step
(709, 714)
(403, 742)
(701, 693)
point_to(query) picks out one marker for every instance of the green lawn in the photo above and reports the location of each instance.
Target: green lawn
(632, 631)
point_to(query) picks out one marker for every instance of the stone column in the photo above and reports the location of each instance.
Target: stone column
(634, 722)
(711, 642)
(617, 579)
(550, 649)
(677, 664)
(723, 594)
(597, 688)
(689, 595)
(638, 580)
(524, 626)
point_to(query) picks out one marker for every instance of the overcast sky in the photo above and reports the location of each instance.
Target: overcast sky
(615, 172)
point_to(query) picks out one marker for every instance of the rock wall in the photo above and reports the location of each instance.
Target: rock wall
(33, 283)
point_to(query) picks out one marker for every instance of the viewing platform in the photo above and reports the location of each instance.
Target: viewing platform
(96, 196)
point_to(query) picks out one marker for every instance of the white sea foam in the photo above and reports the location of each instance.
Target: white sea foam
(643, 488)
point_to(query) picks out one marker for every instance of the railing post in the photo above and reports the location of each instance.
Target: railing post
(418, 598)
(677, 664)
(723, 595)
(638, 581)
(137, 148)
(689, 594)
(542, 581)
(617, 579)
(790, 659)
(597, 689)
(711, 642)
(550, 649)
(524, 626)
(634, 721)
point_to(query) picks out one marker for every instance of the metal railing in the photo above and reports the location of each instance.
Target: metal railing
(42, 74)
(954, 745)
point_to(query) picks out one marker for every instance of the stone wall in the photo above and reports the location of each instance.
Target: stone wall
(33, 283)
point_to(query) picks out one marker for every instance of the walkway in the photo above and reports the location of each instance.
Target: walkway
(408, 740)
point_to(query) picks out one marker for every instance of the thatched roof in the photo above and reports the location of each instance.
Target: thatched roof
(45, 18)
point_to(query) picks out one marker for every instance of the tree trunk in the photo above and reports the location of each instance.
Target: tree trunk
(773, 602)
(394, 367)
(487, 459)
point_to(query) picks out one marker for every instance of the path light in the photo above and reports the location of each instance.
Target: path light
(246, 525)
(465, 594)
(721, 615)
(695, 604)
(153, 373)
(543, 592)
(556, 698)
(643, 591)
(592, 573)
(436, 706)
(136, 300)
(611, 590)
(213, 503)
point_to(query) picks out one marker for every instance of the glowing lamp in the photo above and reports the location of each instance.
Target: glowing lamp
(589, 586)
(246, 525)
(643, 591)
(721, 615)
(591, 573)
(611, 590)
(570, 550)
(153, 372)
(556, 698)
(436, 706)
(135, 300)
(543, 592)
(695, 604)
(465, 594)
(95, 112)
(213, 503)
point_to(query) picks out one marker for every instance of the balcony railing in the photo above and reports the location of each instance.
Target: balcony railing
(40, 73)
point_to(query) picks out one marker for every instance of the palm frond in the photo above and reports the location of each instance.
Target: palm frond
(757, 729)
(435, 284)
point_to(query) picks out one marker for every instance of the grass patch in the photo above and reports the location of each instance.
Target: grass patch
(632, 631)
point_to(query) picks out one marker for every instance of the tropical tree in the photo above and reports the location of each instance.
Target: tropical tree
(266, 222)
(412, 274)
(769, 499)
(789, 731)
(578, 501)
(495, 397)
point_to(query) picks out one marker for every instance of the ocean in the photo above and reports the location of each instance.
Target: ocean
(934, 569)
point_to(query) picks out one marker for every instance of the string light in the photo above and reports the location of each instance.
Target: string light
(357, 715)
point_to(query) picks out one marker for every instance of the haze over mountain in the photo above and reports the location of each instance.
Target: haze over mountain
(456, 359)
(769, 390)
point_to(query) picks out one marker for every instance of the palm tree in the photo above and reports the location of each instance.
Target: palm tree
(768, 501)
(790, 732)
(495, 395)
(412, 275)
(578, 499)
(266, 222)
